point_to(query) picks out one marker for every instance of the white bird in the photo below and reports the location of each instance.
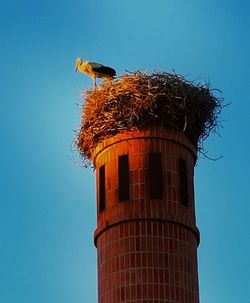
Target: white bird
(94, 70)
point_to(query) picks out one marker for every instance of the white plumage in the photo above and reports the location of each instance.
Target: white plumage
(94, 70)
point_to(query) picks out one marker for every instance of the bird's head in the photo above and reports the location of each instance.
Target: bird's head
(79, 61)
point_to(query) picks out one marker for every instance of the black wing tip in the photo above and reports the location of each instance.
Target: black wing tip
(106, 70)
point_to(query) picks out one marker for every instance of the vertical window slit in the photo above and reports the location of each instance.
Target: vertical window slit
(102, 196)
(155, 176)
(123, 176)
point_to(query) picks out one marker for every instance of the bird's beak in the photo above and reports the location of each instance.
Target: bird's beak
(76, 65)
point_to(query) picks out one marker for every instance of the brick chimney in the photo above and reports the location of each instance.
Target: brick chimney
(146, 236)
(142, 133)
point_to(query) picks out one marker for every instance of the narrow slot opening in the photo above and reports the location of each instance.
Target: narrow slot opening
(102, 196)
(123, 176)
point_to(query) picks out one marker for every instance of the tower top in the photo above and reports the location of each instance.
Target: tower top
(137, 101)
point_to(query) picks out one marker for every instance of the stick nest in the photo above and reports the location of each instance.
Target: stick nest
(141, 100)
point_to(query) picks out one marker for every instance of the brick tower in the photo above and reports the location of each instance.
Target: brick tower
(142, 133)
(146, 235)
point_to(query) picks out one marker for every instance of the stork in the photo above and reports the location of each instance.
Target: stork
(94, 70)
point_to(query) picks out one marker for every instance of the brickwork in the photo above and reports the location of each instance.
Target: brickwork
(147, 248)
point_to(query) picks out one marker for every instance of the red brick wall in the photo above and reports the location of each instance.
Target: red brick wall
(147, 248)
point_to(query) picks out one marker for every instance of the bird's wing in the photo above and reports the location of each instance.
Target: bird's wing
(104, 70)
(95, 65)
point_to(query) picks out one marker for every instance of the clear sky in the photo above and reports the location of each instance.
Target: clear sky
(47, 210)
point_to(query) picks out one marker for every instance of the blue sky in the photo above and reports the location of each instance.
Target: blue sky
(47, 210)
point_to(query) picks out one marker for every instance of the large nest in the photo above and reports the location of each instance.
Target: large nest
(140, 100)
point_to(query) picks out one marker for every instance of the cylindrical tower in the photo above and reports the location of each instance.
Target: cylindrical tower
(142, 132)
(146, 235)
